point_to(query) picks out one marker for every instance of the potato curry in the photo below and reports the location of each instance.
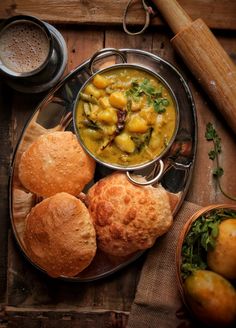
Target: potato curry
(125, 116)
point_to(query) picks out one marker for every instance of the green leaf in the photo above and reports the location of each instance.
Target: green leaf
(210, 131)
(153, 95)
(158, 108)
(215, 229)
(218, 172)
(212, 154)
(165, 102)
(147, 88)
(212, 135)
(217, 142)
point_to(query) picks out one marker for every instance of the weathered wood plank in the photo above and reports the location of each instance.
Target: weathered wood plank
(104, 12)
(81, 44)
(5, 156)
(117, 39)
(31, 289)
(29, 318)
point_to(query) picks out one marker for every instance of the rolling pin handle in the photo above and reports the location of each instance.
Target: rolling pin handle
(174, 14)
(204, 56)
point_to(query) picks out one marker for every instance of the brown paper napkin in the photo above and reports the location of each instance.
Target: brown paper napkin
(157, 301)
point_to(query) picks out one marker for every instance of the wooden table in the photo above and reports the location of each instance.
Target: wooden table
(31, 299)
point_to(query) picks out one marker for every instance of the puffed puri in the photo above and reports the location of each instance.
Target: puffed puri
(59, 236)
(55, 162)
(127, 218)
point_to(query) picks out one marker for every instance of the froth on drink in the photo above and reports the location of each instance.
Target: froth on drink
(24, 46)
(33, 54)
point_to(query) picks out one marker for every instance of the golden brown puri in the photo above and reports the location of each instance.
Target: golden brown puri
(60, 236)
(55, 162)
(127, 218)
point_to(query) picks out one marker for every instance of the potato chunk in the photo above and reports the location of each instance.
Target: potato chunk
(137, 105)
(125, 143)
(108, 116)
(118, 100)
(137, 124)
(92, 90)
(100, 82)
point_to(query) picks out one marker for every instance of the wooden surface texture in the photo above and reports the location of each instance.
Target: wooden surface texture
(32, 299)
(216, 13)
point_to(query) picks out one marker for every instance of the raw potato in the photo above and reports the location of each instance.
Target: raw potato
(223, 258)
(211, 297)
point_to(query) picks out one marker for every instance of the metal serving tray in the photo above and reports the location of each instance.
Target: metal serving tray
(54, 113)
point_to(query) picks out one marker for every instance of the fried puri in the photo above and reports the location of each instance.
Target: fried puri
(55, 162)
(59, 235)
(127, 218)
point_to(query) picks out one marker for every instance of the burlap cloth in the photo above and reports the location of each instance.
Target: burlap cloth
(157, 301)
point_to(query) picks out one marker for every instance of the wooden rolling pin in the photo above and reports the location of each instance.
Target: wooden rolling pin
(205, 57)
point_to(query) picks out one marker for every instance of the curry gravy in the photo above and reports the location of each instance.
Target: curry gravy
(126, 116)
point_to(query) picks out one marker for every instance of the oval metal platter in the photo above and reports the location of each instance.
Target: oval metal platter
(54, 113)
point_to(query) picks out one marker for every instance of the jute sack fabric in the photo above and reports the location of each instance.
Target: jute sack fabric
(157, 301)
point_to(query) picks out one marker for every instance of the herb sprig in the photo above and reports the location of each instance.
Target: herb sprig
(201, 238)
(153, 94)
(212, 135)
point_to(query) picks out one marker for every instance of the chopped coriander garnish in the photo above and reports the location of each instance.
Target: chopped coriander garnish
(147, 87)
(158, 107)
(165, 102)
(153, 94)
(212, 135)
